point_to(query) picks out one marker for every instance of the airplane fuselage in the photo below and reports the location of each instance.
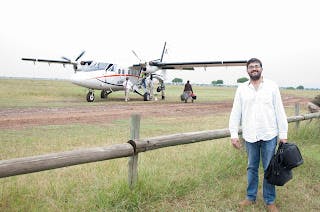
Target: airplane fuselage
(109, 77)
(104, 76)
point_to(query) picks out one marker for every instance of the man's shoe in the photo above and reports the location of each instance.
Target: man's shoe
(272, 208)
(246, 202)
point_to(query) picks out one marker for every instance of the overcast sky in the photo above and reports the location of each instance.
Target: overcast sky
(284, 34)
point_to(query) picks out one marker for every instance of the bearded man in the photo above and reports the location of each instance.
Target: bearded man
(258, 108)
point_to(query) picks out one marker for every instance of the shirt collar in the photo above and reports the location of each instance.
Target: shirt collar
(261, 83)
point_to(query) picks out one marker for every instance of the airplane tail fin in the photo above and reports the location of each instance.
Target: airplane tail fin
(163, 51)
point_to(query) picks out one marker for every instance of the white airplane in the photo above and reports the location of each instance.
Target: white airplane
(109, 77)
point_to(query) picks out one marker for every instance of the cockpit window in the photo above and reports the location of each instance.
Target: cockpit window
(90, 66)
(109, 67)
(85, 63)
(102, 66)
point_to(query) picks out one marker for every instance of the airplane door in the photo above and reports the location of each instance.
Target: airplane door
(120, 75)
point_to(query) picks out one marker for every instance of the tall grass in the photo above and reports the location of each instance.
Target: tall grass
(206, 176)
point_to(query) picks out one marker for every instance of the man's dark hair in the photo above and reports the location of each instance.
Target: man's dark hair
(254, 60)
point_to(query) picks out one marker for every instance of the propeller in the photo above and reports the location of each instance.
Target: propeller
(142, 63)
(163, 51)
(74, 63)
(82, 53)
(135, 54)
(67, 59)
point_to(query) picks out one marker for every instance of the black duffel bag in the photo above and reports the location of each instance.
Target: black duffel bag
(291, 156)
(279, 170)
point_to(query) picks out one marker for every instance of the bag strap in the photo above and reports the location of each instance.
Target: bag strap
(279, 152)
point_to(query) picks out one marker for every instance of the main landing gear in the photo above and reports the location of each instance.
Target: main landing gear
(104, 94)
(146, 96)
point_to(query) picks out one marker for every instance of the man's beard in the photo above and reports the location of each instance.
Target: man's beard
(255, 77)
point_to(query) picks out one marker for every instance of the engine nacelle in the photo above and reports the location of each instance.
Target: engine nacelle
(151, 69)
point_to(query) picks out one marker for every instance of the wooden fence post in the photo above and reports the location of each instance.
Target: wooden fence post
(296, 112)
(133, 160)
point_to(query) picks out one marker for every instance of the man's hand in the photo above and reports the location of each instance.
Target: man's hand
(236, 143)
(283, 140)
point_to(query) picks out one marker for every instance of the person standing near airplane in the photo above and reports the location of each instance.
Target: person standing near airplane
(127, 85)
(143, 76)
(258, 107)
(188, 88)
(187, 91)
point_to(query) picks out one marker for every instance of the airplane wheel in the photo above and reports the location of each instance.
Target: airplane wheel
(163, 97)
(104, 94)
(90, 97)
(146, 96)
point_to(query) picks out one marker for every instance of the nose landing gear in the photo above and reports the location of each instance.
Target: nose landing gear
(90, 96)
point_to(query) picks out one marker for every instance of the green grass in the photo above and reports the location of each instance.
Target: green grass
(35, 93)
(205, 176)
(16, 93)
(301, 93)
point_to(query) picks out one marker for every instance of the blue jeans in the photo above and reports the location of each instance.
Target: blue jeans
(267, 149)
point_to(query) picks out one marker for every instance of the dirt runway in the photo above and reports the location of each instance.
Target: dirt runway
(12, 118)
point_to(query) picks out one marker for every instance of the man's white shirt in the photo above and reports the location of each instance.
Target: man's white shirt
(260, 112)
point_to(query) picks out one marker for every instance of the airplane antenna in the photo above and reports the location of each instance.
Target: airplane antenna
(164, 49)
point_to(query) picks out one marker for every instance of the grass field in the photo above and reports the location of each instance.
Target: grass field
(35, 93)
(52, 93)
(206, 176)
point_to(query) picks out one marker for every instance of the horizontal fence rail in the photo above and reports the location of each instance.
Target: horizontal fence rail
(303, 117)
(26, 165)
(179, 139)
(62, 159)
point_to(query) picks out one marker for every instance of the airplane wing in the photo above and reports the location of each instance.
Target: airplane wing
(63, 62)
(192, 65)
(48, 61)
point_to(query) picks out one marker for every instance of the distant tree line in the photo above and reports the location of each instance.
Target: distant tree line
(240, 80)
(217, 82)
(300, 87)
(177, 80)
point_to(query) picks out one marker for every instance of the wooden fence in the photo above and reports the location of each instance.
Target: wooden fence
(130, 149)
